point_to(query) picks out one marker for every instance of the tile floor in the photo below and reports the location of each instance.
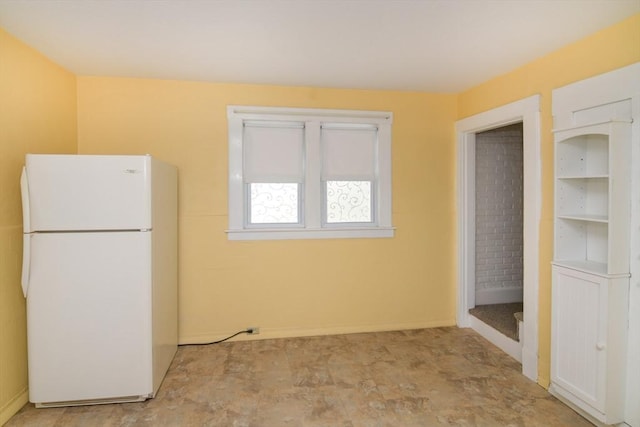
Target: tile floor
(427, 377)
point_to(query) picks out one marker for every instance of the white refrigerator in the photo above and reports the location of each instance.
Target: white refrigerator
(99, 276)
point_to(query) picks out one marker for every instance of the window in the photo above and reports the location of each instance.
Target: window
(308, 173)
(272, 156)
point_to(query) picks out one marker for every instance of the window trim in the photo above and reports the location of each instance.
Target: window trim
(312, 224)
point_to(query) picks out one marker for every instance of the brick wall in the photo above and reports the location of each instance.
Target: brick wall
(499, 215)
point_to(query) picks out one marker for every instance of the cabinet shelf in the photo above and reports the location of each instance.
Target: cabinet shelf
(571, 177)
(592, 267)
(585, 199)
(585, 217)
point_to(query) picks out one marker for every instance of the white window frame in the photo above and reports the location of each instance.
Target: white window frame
(312, 224)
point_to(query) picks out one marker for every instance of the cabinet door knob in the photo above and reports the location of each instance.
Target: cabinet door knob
(600, 346)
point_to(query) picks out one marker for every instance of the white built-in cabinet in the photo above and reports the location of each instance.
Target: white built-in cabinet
(591, 266)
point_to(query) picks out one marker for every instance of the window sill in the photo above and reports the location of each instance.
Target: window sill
(319, 233)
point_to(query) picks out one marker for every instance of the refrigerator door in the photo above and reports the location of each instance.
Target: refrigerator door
(83, 193)
(89, 317)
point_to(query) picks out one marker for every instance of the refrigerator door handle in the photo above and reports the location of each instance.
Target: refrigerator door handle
(26, 262)
(26, 226)
(26, 211)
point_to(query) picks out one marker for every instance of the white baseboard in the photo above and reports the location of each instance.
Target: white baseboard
(498, 295)
(529, 363)
(269, 333)
(529, 357)
(504, 343)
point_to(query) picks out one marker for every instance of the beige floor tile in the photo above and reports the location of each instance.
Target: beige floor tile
(426, 377)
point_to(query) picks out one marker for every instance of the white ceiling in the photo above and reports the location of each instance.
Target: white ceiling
(425, 45)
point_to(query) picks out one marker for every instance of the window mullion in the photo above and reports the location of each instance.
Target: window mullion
(312, 187)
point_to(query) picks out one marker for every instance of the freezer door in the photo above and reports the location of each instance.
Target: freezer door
(89, 316)
(82, 192)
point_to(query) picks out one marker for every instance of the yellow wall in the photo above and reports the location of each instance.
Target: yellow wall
(293, 287)
(37, 115)
(603, 51)
(284, 287)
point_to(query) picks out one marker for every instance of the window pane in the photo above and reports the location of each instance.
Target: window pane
(274, 203)
(348, 201)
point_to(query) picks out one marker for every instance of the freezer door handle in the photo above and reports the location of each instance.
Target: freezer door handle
(26, 262)
(26, 211)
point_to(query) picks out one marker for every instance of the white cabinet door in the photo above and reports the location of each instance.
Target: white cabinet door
(579, 314)
(588, 341)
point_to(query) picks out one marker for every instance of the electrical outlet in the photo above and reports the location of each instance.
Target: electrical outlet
(253, 330)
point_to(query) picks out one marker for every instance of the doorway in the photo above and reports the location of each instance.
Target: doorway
(526, 113)
(498, 231)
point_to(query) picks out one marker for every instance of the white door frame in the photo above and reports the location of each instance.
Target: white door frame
(526, 111)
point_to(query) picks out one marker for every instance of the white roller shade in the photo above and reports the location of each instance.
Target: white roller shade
(273, 152)
(348, 152)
